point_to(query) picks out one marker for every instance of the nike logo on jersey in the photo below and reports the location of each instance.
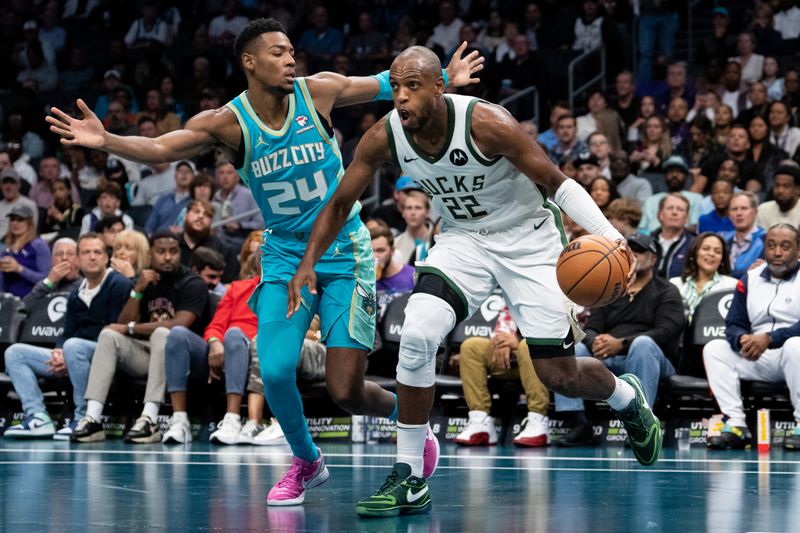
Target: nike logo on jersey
(300, 154)
(539, 225)
(411, 497)
(567, 346)
(409, 159)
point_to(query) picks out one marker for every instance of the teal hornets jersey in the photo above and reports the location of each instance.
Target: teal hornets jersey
(293, 171)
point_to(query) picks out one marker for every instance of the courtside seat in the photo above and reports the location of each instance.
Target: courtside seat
(708, 324)
(45, 321)
(764, 388)
(12, 314)
(445, 384)
(681, 384)
(5, 384)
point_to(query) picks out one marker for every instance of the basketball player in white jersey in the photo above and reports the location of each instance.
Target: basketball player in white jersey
(490, 182)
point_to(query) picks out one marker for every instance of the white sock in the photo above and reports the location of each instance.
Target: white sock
(151, 410)
(94, 409)
(233, 416)
(622, 396)
(411, 446)
(180, 416)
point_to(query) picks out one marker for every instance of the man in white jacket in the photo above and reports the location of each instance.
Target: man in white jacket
(763, 338)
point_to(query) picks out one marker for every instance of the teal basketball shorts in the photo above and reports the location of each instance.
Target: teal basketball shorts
(345, 299)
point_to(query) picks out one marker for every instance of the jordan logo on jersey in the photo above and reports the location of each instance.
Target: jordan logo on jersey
(260, 141)
(300, 154)
(336, 251)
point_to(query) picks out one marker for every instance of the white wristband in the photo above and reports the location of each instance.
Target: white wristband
(576, 202)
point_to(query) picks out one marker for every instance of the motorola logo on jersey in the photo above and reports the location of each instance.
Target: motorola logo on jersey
(458, 157)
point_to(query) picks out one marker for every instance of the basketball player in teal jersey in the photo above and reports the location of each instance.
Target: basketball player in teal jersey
(277, 134)
(491, 183)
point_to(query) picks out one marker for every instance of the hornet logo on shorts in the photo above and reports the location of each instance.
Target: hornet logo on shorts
(366, 300)
(302, 120)
(458, 157)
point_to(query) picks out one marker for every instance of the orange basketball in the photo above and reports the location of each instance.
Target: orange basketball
(592, 271)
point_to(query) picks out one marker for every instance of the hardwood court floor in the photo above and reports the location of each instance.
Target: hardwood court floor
(56, 486)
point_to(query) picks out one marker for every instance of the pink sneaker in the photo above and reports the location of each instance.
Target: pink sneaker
(431, 454)
(291, 490)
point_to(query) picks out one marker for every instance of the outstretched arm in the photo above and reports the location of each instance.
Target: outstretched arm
(372, 150)
(331, 90)
(201, 131)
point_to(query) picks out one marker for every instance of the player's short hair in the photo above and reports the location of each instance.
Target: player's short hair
(626, 210)
(677, 195)
(204, 257)
(414, 193)
(566, 117)
(750, 195)
(201, 179)
(90, 235)
(108, 222)
(143, 120)
(382, 230)
(111, 188)
(252, 31)
(207, 206)
(784, 225)
(163, 234)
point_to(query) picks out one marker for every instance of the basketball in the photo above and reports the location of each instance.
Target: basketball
(592, 271)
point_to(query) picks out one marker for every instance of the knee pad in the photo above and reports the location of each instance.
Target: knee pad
(428, 321)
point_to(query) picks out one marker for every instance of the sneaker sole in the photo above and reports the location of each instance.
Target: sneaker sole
(155, 437)
(316, 481)
(28, 435)
(62, 436)
(437, 447)
(532, 442)
(169, 439)
(99, 436)
(223, 442)
(481, 440)
(273, 442)
(633, 381)
(366, 512)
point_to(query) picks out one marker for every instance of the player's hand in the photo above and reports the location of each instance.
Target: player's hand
(58, 271)
(88, 132)
(623, 245)
(56, 362)
(502, 358)
(147, 277)
(305, 275)
(123, 267)
(460, 69)
(9, 264)
(216, 361)
(505, 340)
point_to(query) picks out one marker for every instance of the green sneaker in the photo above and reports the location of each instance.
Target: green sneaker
(401, 493)
(643, 427)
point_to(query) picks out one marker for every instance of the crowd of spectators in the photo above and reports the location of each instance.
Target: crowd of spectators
(667, 149)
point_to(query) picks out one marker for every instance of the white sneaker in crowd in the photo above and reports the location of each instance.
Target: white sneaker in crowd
(227, 431)
(271, 436)
(480, 430)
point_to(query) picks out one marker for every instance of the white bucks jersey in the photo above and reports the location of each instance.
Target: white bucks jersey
(469, 190)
